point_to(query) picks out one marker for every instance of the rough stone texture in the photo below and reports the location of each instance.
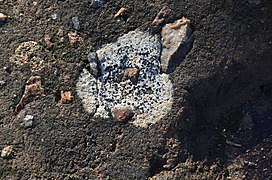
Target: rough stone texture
(132, 74)
(122, 114)
(29, 53)
(6, 152)
(92, 59)
(74, 39)
(228, 64)
(65, 97)
(160, 17)
(87, 90)
(33, 90)
(150, 95)
(28, 121)
(176, 41)
(76, 24)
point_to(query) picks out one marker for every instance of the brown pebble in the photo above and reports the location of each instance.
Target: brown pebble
(160, 17)
(75, 39)
(47, 40)
(66, 97)
(132, 74)
(122, 114)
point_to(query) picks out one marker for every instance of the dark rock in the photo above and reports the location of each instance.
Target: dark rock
(98, 3)
(160, 17)
(76, 24)
(92, 58)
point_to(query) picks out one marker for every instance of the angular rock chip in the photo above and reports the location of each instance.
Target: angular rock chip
(66, 97)
(160, 17)
(74, 39)
(6, 152)
(176, 42)
(33, 91)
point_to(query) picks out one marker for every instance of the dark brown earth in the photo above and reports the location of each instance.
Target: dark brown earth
(220, 126)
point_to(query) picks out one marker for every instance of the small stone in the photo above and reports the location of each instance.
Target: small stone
(92, 58)
(76, 24)
(122, 114)
(2, 83)
(120, 12)
(6, 152)
(28, 121)
(54, 16)
(28, 117)
(160, 17)
(132, 74)
(98, 3)
(176, 41)
(33, 91)
(66, 97)
(3, 17)
(48, 42)
(75, 39)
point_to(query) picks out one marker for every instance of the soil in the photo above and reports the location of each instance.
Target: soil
(220, 123)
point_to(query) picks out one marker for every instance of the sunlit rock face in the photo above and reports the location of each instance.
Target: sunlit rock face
(129, 77)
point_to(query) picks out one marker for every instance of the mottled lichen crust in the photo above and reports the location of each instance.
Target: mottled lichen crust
(150, 97)
(29, 53)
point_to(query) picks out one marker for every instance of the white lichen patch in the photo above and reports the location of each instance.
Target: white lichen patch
(29, 53)
(148, 93)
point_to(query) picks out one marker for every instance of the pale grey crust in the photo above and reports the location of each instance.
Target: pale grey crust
(150, 98)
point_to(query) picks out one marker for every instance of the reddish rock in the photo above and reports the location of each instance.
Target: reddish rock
(160, 17)
(66, 97)
(33, 91)
(74, 39)
(47, 40)
(122, 114)
(132, 74)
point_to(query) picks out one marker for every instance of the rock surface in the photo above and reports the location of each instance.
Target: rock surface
(6, 152)
(33, 91)
(135, 56)
(122, 114)
(30, 53)
(176, 42)
(160, 17)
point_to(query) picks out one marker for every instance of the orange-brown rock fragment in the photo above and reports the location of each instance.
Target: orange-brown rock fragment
(33, 91)
(66, 97)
